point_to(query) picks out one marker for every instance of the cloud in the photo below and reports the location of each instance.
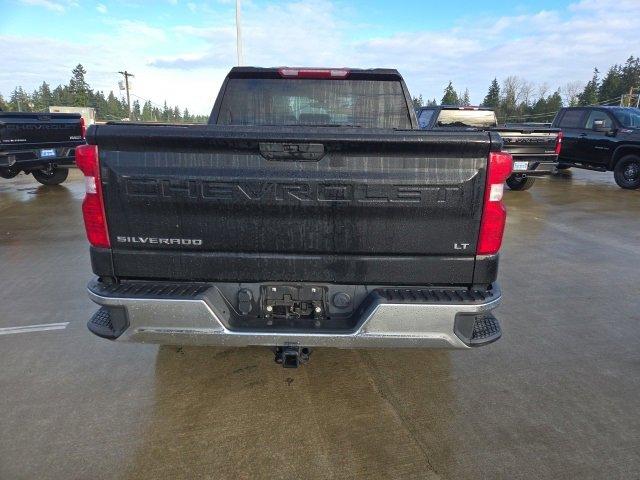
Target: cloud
(102, 8)
(552, 46)
(48, 4)
(138, 31)
(186, 64)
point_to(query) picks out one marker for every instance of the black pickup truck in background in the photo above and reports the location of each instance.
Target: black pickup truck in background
(311, 211)
(603, 139)
(42, 144)
(534, 148)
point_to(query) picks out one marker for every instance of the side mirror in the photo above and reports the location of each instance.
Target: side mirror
(598, 126)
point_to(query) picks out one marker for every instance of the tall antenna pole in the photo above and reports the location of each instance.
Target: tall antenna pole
(238, 34)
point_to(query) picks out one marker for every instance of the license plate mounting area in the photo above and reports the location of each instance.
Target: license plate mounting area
(293, 302)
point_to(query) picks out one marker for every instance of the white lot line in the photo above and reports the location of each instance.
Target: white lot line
(33, 328)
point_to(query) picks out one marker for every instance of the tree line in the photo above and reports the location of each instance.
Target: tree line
(78, 93)
(517, 100)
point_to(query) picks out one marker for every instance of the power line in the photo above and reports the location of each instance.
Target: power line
(147, 100)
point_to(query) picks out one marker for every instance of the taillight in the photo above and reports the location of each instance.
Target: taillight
(327, 73)
(95, 221)
(83, 128)
(494, 213)
(559, 143)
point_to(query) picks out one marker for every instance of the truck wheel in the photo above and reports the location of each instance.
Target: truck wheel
(520, 183)
(9, 172)
(627, 172)
(52, 176)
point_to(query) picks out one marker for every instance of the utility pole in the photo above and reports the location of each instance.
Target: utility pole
(126, 84)
(238, 34)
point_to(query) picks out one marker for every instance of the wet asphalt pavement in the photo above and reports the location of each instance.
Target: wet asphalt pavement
(558, 397)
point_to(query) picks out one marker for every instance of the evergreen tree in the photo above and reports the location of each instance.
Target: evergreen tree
(554, 103)
(450, 96)
(464, 101)
(44, 91)
(147, 112)
(166, 113)
(114, 107)
(544, 109)
(3, 104)
(630, 74)
(417, 101)
(611, 87)
(136, 113)
(432, 103)
(19, 100)
(589, 95)
(78, 87)
(492, 99)
(58, 95)
(185, 116)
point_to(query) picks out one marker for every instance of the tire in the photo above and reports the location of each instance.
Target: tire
(627, 172)
(8, 172)
(53, 176)
(519, 183)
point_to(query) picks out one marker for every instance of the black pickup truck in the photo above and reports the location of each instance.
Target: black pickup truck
(603, 139)
(311, 211)
(534, 148)
(42, 144)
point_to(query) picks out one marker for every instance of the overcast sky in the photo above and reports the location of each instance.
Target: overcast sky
(181, 50)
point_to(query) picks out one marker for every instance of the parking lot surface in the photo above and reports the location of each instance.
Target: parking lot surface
(558, 397)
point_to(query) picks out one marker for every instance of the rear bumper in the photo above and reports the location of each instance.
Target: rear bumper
(536, 166)
(196, 316)
(31, 159)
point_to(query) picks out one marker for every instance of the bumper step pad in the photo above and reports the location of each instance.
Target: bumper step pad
(486, 329)
(108, 322)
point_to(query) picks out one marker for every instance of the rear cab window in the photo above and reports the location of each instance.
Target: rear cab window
(424, 118)
(315, 102)
(466, 118)
(572, 119)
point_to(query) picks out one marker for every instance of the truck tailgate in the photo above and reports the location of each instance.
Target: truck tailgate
(267, 204)
(528, 141)
(33, 130)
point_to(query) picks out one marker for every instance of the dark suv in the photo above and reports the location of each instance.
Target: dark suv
(603, 139)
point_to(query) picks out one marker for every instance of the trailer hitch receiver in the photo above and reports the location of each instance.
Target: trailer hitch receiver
(292, 357)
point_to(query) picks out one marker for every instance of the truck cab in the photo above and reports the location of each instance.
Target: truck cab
(604, 139)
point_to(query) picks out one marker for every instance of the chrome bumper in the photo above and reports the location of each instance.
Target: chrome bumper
(197, 321)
